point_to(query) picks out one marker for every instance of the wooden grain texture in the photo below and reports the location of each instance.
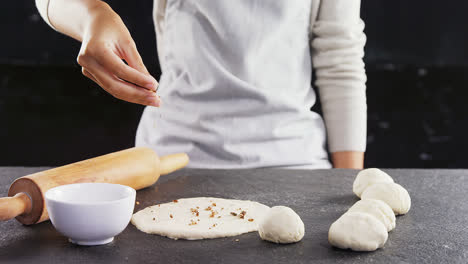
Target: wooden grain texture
(135, 167)
(11, 207)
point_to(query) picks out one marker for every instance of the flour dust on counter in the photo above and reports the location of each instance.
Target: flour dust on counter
(200, 218)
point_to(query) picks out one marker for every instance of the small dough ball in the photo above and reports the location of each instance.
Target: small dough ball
(357, 231)
(281, 225)
(392, 194)
(367, 177)
(378, 209)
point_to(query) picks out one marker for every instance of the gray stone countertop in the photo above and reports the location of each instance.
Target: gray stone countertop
(434, 231)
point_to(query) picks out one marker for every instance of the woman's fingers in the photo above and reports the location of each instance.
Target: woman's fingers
(133, 58)
(120, 89)
(88, 74)
(109, 60)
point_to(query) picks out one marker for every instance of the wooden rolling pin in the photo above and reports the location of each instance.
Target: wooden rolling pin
(135, 167)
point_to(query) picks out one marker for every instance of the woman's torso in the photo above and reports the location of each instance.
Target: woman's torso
(236, 85)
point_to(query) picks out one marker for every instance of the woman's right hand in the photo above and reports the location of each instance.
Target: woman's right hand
(106, 42)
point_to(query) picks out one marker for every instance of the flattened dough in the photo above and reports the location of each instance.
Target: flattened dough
(201, 217)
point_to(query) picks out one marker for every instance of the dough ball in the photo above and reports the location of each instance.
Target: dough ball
(367, 177)
(378, 209)
(392, 194)
(357, 231)
(281, 225)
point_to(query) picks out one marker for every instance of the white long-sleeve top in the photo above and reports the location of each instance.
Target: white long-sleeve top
(236, 81)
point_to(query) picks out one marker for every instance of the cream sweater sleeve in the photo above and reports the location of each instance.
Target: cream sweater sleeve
(43, 7)
(337, 51)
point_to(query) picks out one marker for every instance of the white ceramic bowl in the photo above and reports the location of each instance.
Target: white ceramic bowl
(90, 213)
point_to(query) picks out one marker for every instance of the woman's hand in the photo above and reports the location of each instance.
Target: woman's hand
(106, 41)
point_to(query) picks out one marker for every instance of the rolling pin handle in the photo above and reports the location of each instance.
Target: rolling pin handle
(173, 162)
(11, 207)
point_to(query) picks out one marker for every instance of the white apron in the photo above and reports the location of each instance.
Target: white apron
(236, 86)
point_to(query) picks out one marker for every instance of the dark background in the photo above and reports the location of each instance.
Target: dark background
(416, 62)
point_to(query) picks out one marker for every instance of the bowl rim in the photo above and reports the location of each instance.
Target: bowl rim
(48, 194)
